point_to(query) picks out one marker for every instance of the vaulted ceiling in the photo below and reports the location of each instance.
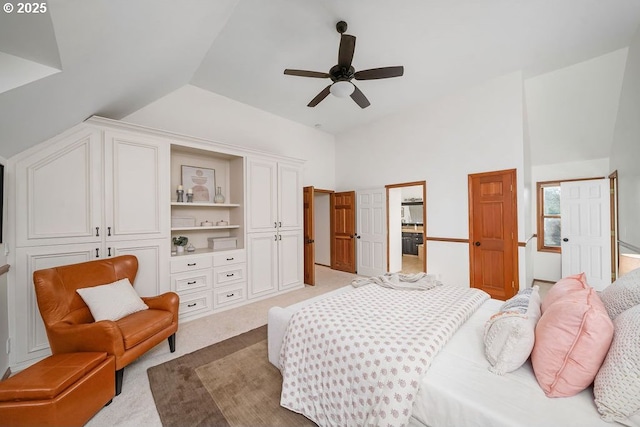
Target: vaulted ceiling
(112, 57)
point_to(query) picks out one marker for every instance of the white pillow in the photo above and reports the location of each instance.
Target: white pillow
(622, 294)
(617, 384)
(509, 335)
(113, 301)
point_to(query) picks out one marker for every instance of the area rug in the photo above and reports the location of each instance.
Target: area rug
(230, 383)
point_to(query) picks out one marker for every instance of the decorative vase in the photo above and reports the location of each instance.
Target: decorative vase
(180, 249)
(218, 198)
(191, 248)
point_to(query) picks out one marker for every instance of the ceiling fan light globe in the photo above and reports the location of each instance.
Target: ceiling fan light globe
(342, 89)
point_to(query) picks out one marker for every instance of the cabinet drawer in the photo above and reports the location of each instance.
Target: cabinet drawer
(189, 263)
(195, 304)
(229, 295)
(229, 257)
(192, 281)
(229, 274)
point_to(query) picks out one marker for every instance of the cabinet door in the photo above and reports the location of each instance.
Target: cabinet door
(290, 259)
(289, 197)
(261, 195)
(153, 269)
(136, 187)
(29, 333)
(59, 191)
(262, 252)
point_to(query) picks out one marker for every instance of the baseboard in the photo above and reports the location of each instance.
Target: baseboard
(323, 265)
(544, 281)
(7, 374)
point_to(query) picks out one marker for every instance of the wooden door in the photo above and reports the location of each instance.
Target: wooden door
(343, 231)
(586, 230)
(493, 233)
(309, 236)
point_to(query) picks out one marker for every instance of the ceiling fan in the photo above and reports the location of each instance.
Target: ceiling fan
(342, 73)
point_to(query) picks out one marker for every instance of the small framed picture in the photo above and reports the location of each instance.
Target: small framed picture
(201, 182)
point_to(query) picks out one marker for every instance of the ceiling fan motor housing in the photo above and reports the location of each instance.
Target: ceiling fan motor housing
(339, 73)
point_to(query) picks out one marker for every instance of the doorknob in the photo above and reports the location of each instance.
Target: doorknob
(357, 236)
(477, 243)
(565, 239)
(310, 241)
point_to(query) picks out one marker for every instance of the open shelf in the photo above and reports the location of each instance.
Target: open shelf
(213, 227)
(206, 205)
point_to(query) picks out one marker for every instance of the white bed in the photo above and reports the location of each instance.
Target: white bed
(459, 389)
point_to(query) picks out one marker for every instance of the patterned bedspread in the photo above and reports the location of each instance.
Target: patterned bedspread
(357, 359)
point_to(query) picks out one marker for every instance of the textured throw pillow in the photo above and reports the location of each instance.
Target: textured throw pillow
(509, 335)
(617, 385)
(562, 287)
(113, 301)
(622, 294)
(572, 339)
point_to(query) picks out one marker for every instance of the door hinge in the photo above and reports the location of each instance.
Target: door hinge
(613, 233)
(613, 277)
(612, 191)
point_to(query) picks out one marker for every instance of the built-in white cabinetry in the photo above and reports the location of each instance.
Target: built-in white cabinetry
(274, 195)
(90, 193)
(274, 230)
(106, 188)
(215, 229)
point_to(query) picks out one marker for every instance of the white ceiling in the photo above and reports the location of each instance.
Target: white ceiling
(117, 56)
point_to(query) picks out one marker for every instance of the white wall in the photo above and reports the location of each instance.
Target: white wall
(197, 112)
(547, 265)
(478, 130)
(625, 153)
(322, 218)
(575, 106)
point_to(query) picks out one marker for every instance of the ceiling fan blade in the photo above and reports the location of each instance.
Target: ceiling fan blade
(347, 47)
(319, 97)
(359, 98)
(379, 73)
(305, 73)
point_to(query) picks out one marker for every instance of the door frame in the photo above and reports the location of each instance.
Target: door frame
(424, 216)
(311, 263)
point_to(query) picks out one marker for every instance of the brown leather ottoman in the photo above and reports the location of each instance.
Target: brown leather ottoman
(61, 390)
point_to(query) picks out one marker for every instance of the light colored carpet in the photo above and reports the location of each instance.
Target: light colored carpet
(135, 405)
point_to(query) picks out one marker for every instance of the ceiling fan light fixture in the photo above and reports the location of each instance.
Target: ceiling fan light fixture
(342, 89)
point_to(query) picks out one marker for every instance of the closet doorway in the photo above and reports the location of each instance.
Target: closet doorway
(406, 225)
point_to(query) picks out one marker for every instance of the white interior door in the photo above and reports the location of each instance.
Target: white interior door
(371, 222)
(395, 229)
(586, 230)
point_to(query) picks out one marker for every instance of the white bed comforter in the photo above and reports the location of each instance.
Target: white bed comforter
(357, 359)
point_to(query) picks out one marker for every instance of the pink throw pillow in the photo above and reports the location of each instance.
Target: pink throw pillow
(562, 287)
(572, 340)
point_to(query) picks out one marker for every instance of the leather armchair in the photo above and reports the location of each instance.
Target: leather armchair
(71, 328)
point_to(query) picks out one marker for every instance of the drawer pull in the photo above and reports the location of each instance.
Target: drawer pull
(230, 275)
(191, 264)
(192, 283)
(230, 295)
(230, 259)
(192, 305)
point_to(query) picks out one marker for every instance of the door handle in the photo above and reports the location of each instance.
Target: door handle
(310, 241)
(477, 243)
(565, 239)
